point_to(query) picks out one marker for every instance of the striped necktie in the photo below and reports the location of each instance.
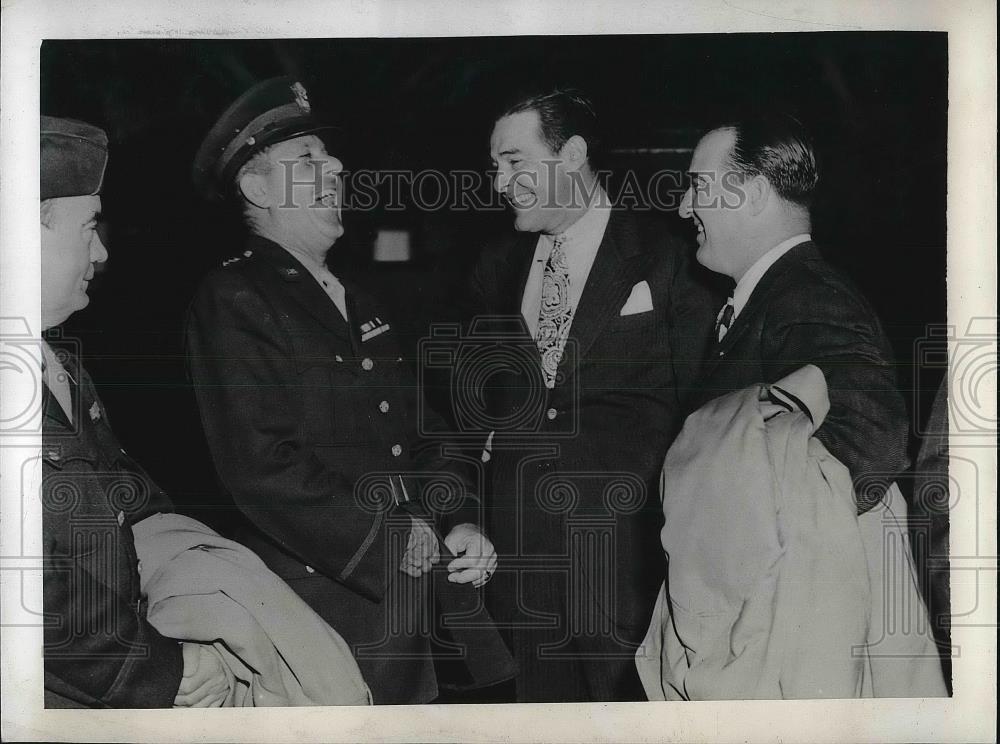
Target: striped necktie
(725, 319)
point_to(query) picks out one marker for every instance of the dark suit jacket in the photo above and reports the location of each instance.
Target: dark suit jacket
(804, 311)
(579, 465)
(313, 433)
(99, 649)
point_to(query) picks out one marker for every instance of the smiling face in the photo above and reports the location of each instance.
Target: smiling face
(299, 194)
(531, 177)
(70, 248)
(716, 204)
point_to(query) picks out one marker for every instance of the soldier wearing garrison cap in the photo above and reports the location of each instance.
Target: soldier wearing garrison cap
(310, 413)
(99, 648)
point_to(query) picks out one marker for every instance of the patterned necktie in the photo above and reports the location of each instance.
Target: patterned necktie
(555, 313)
(725, 319)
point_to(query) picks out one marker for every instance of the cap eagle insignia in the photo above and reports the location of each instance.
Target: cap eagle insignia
(301, 97)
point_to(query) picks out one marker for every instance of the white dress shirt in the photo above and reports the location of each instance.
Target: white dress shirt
(330, 284)
(580, 243)
(748, 282)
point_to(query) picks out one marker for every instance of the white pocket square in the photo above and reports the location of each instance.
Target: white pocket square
(640, 301)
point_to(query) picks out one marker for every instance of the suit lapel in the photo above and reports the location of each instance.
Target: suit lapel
(616, 266)
(302, 287)
(520, 256)
(760, 298)
(52, 411)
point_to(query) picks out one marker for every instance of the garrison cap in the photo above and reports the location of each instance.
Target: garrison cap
(272, 111)
(73, 157)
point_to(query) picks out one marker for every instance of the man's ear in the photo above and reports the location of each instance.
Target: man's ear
(574, 152)
(758, 191)
(253, 186)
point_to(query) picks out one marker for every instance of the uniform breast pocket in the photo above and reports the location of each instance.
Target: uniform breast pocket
(347, 403)
(315, 351)
(324, 385)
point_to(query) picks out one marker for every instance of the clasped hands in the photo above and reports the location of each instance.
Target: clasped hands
(475, 561)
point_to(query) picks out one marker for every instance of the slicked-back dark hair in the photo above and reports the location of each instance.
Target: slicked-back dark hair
(562, 113)
(779, 148)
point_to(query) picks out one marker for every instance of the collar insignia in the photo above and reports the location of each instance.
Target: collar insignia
(95, 412)
(237, 259)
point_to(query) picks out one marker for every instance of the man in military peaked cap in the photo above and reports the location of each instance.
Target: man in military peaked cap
(310, 414)
(100, 650)
(269, 113)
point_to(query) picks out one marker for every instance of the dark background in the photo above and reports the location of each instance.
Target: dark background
(875, 102)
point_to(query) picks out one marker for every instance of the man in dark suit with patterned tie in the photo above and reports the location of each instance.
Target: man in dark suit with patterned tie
(609, 323)
(751, 186)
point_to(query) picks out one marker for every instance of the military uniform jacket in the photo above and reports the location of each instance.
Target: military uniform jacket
(575, 468)
(312, 426)
(100, 650)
